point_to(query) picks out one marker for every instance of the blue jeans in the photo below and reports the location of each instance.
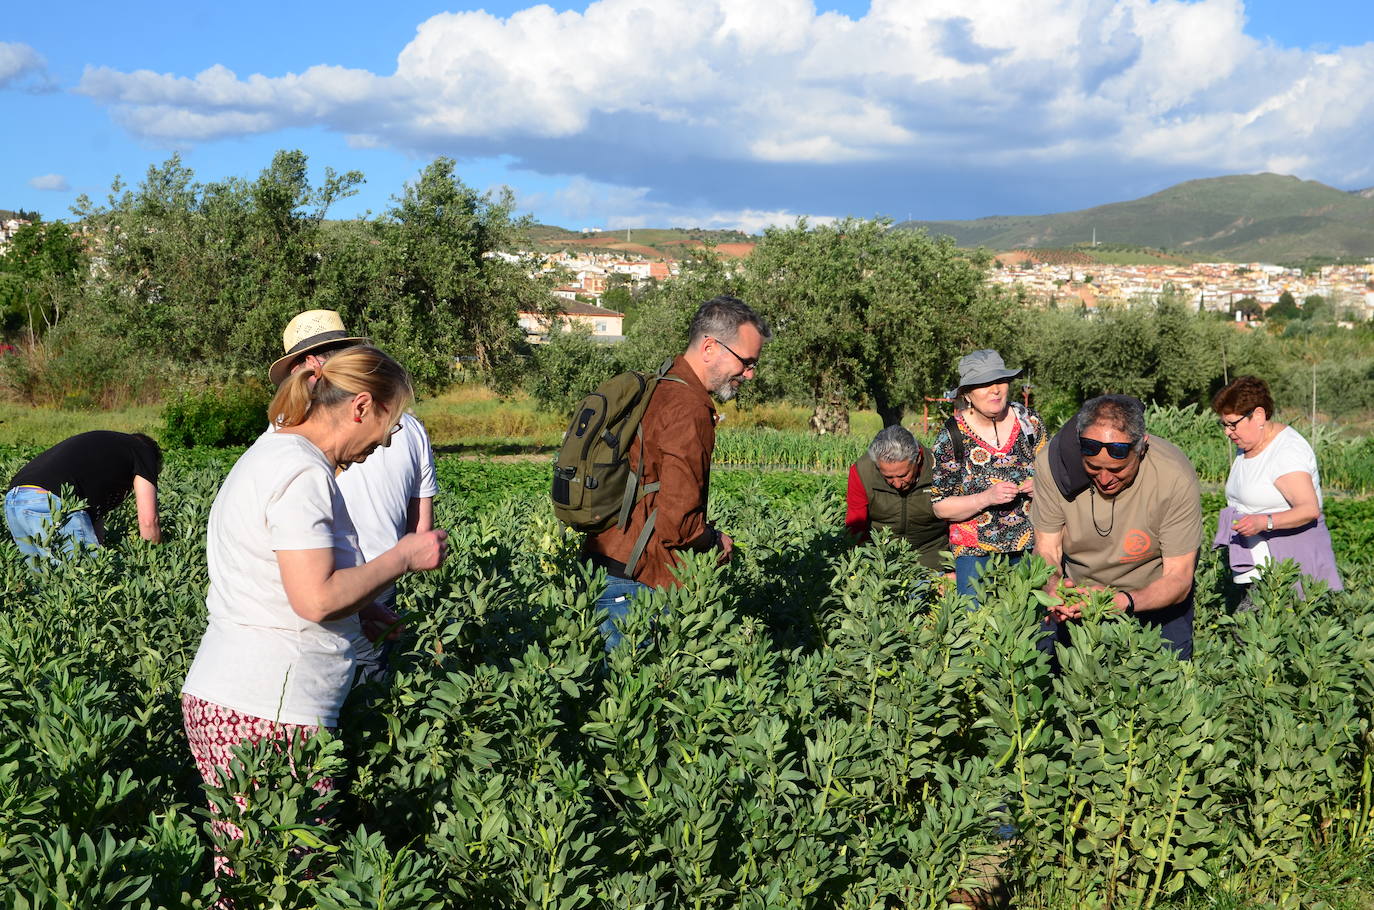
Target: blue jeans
(29, 514)
(968, 568)
(615, 603)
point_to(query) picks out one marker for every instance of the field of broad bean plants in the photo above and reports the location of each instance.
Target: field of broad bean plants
(811, 726)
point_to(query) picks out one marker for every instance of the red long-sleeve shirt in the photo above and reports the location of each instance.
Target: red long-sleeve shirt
(856, 506)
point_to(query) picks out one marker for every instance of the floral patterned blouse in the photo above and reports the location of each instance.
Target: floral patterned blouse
(1000, 529)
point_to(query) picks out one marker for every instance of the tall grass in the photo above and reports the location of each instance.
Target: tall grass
(40, 426)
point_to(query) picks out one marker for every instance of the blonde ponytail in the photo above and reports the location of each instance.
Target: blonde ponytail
(292, 401)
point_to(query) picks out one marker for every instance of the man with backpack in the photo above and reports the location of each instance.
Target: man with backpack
(668, 456)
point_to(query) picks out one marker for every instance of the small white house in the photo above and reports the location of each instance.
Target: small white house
(606, 325)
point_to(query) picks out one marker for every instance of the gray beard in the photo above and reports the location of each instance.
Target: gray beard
(724, 391)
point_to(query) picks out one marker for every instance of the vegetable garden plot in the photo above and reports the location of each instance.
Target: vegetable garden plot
(813, 726)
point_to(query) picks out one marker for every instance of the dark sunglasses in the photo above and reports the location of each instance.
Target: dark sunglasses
(1117, 450)
(747, 363)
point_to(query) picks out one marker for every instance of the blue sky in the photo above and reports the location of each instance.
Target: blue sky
(717, 113)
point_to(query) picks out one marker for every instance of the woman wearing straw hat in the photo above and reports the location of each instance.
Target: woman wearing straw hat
(388, 496)
(287, 575)
(983, 460)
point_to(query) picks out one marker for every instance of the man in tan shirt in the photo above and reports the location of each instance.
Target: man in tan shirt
(1135, 529)
(679, 435)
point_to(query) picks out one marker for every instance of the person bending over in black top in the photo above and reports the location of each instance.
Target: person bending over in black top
(102, 468)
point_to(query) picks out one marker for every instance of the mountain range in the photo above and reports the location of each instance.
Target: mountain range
(1246, 218)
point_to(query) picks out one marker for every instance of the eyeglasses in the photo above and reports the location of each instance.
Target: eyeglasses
(749, 363)
(1117, 450)
(1232, 424)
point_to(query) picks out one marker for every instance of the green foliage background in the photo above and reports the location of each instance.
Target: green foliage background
(811, 726)
(226, 415)
(174, 281)
(191, 280)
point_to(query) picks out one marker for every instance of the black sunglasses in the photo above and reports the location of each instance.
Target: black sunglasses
(1117, 450)
(748, 363)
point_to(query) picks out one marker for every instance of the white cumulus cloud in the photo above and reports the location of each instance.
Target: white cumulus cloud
(23, 67)
(674, 93)
(619, 207)
(53, 182)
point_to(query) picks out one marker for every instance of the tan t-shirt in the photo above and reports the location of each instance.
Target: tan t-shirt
(1158, 515)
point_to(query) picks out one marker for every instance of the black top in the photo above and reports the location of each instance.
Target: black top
(100, 466)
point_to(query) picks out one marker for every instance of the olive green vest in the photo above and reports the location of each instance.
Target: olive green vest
(908, 515)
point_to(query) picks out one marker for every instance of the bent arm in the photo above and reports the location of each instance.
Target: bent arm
(961, 508)
(684, 436)
(317, 591)
(420, 515)
(1170, 588)
(1301, 495)
(681, 523)
(856, 506)
(1049, 546)
(145, 500)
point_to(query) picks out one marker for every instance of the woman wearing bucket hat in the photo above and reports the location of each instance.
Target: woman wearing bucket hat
(984, 457)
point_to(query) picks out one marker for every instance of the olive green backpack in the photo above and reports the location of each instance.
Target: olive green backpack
(593, 486)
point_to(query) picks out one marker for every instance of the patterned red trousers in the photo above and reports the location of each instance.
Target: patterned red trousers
(214, 730)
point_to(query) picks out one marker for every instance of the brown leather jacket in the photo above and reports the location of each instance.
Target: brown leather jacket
(679, 435)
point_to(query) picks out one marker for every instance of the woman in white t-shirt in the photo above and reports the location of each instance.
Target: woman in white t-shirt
(1274, 489)
(287, 577)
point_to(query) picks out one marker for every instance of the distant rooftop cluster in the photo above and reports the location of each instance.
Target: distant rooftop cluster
(586, 276)
(1213, 286)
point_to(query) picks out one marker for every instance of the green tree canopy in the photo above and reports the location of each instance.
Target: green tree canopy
(199, 280)
(1158, 350)
(39, 269)
(863, 314)
(448, 294)
(1285, 308)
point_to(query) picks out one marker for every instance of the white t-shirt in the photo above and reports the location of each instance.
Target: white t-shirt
(1250, 486)
(378, 490)
(258, 656)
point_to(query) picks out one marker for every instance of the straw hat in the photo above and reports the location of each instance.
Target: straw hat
(310, 331)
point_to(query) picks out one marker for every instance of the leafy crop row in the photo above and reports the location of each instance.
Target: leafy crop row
(811, 726)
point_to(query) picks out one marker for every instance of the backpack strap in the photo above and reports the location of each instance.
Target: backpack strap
(636, 489)
(640, 543)
(956, 440)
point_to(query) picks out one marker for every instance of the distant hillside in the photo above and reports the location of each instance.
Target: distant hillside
(655, 243)
(1086, 254)
(1265, 217)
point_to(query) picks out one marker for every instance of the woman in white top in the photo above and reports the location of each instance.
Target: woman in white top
(1274, 489)
(287, 577)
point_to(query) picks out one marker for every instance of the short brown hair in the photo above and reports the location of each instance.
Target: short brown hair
(1243, 395)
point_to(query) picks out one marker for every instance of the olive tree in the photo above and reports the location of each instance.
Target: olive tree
(449, 293)
(866, 315)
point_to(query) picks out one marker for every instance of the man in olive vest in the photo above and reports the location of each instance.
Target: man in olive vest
(890, 487)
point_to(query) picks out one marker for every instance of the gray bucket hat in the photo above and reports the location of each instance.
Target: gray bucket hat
(981, 367)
